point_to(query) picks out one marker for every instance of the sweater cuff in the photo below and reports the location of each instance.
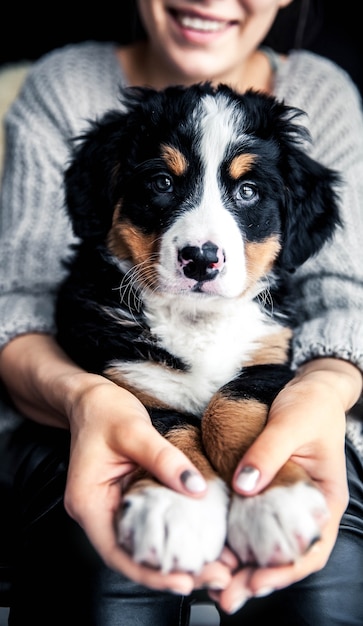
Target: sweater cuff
(21, 314)
(332, 335)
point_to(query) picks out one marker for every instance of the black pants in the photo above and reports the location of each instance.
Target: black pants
(59, 579)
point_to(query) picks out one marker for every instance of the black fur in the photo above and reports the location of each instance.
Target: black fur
(151, 242)
(110, 160)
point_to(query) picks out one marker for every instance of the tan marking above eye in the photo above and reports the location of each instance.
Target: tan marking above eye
(174, 159)
(241, 164)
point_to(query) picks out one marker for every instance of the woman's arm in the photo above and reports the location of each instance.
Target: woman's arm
(328, 288)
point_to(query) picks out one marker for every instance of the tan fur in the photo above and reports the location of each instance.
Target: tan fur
(289, 474)
(260, 257)
(151, 401)
(174, 159)
(241, 164)
(115, 239)
(229, 427)
(189, 440)
(125, 241)
(273, 349)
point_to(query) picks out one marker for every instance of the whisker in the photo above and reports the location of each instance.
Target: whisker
(135, 282)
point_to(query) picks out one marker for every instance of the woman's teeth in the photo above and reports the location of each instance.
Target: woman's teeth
(197, 23)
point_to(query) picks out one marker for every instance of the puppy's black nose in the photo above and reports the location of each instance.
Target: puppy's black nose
(201, 263)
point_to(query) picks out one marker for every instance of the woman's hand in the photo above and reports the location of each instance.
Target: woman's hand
(307, 424)
(111, 434)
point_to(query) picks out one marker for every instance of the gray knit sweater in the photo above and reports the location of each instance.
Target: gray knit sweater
(70, 86)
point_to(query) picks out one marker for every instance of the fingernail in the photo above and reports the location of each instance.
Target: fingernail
(181, 589)
(179, 592)
(247, 478)
(264, 591)
(238, 604)
(194, 482)
(216, 585)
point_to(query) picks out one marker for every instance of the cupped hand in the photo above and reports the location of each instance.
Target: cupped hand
(307, 424)
(111, 433)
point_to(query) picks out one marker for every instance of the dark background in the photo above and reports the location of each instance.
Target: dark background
(332, 29)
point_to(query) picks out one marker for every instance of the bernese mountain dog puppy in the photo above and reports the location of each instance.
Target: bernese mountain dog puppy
(193, 206)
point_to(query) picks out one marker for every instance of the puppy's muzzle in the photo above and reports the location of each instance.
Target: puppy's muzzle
(201, 263)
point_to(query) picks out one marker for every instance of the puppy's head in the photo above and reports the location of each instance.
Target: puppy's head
(204, 190)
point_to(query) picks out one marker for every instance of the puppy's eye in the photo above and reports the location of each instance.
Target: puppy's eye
(247, 192)
(161, 183)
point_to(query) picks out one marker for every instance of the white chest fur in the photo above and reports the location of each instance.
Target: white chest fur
(212, 336)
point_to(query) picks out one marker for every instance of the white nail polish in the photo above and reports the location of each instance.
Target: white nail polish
(264, 591)
(215, 585)
(247, 478)
(179, 592)
(195, 483)
(238, 605)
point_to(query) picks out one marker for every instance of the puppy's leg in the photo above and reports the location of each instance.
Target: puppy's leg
(279, 524)
(171, 531)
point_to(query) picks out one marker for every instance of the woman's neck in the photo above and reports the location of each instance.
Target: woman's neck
(141, 68)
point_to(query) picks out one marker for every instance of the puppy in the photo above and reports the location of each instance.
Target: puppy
(193, 206)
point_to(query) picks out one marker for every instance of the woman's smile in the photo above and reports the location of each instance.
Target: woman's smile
(194, 27)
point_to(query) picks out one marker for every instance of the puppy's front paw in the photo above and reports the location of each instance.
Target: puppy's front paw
(277, 526)
(167, 530)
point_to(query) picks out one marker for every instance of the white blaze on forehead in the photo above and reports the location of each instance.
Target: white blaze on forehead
(207, 217)
(219, 122)
(218, 131)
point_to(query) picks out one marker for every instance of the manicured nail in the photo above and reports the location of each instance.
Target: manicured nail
(247, 478)
(194, 482)
(216, 585)
(180, 591)
(238, 604)
(264, 591)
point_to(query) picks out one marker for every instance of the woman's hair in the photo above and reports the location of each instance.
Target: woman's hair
(296, 25)
(133, 30)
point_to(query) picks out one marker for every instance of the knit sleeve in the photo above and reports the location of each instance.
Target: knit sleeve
(61, 93)
(328, 289)
(35, 233)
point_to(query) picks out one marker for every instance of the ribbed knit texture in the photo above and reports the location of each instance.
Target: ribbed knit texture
(67, 88)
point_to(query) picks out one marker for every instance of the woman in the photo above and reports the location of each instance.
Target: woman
(67, 575)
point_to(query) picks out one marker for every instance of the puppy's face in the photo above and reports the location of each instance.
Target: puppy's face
(203, 191)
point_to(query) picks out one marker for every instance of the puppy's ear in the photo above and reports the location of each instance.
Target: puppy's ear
(92, 176)
(311, 211)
